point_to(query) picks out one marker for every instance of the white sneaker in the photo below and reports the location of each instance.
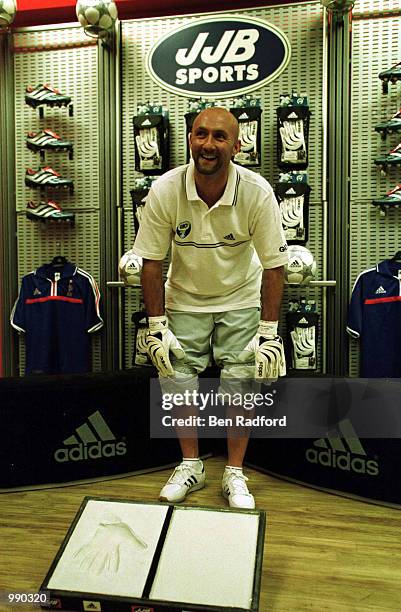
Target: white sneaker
(234, 489)
(188, 476)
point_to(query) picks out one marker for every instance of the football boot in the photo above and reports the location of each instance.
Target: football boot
(47, 140)
(48, 211)
(392, 158)
(392, 75)
(391, 125)
(45, 94)
(45, 178)
(390, 199)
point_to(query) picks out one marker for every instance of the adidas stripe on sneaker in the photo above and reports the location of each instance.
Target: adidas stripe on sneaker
(187, 477)
(235, 490)
(47, 177)
(45, 94)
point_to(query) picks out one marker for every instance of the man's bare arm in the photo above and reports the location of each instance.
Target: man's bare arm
(153, 287)
(272, 293)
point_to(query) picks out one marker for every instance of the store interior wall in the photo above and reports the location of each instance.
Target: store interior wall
(376, 46)
(66, 58)
(303, 25)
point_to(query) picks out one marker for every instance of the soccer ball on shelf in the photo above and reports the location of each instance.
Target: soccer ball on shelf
(301, 266)
(338, 6)
(97, 17)
(8, 9)
(130, 268)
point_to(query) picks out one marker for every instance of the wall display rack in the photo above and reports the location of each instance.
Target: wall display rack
(303, 25)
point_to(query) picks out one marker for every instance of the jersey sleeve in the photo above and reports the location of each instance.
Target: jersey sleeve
(91, 294)
(155, 231)
(354, 321)
(18, 313)
(268, 234)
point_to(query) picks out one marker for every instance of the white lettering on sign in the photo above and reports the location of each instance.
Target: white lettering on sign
(241, 49)
(222, 74)
(219, 56)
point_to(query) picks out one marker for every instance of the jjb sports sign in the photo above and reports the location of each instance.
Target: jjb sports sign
(219, 56)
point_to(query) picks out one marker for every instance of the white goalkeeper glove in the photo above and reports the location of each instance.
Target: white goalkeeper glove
(159, 342)
(268, 348)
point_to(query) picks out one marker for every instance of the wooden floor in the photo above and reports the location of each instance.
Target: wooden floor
(322, 552)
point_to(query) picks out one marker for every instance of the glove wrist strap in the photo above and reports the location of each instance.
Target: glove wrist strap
(157, 323)
(268, 328)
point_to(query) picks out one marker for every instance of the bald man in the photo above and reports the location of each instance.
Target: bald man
(223, 291)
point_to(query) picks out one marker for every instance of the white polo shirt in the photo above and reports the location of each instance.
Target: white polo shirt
(214, 267)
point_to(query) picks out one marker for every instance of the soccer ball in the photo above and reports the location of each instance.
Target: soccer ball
(96, 16)
(301, 266)
(338, 6)
(8, 9)
(130, 268)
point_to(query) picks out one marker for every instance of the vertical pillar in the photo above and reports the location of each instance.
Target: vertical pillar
(110, 163)
(8, 246)
(338, 188)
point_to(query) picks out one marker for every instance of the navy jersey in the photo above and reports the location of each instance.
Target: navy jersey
(375, 317)
(57, 308)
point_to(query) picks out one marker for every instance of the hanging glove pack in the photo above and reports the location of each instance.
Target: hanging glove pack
(292, 192)
(151, 140)
(138, 196)
(194, 108)
(293, 131)
(249, 120)
(302, 327)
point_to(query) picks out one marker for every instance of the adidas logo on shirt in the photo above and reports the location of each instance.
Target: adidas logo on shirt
(37, 292)
(380, 290)
(243, 116)
(229, 237)
(146, 122)
(291, 191)
(94, 440)
(345, 453)
(292, 116)
(303, 320)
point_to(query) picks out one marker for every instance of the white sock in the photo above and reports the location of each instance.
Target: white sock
(194, 462)
(234, 467)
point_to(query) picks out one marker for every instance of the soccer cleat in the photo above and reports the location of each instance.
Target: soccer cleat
(45, 94)
(392, 198)
(234, 488)
(47, 178)
(47, 140)
(390, 126)
(392, 74)
(391, 159)
(48, 211)
(187, 477)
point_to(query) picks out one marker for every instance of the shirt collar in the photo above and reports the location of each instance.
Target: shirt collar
(388, 267)
(48, 271)
(229, 197)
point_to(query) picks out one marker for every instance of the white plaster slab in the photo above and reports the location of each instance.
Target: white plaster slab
(208, 558)
(110, 549)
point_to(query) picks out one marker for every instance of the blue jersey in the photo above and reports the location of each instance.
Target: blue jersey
(375, 317)
(57, 308)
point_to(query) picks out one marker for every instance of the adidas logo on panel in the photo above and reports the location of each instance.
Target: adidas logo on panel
(380, 290)
(344, 453)
(229, 237)
(291, 191)
(303, 320)
(94, 440)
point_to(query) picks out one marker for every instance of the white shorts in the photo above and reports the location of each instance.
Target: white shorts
(220, 336)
